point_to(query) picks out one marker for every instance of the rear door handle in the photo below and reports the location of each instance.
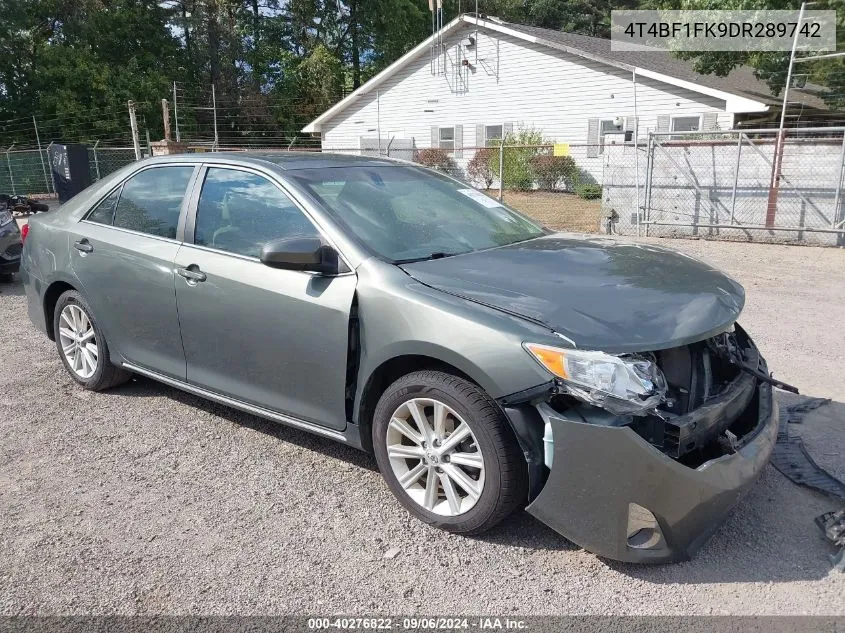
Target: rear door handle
(83, 246)
(192, 274)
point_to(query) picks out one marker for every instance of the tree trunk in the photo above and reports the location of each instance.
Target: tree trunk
(187, 29)
(355, 44)
(256, 22)
(212, 19)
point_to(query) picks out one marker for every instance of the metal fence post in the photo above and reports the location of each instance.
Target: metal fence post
(835, 215)
(649, 183)
(96, 160)
(501, 167)
(133, 124)
(52, 175)
(40, 155)
(9, 165)
(176, 114)
(736, 175)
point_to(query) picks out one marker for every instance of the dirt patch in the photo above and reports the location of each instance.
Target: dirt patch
(557, 210)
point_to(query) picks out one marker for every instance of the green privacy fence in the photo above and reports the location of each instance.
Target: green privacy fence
(27, 172)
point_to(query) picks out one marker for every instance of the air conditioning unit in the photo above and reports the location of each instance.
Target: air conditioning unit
(468, 42)
(614, 138)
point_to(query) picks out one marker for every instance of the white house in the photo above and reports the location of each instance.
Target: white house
(480, 77)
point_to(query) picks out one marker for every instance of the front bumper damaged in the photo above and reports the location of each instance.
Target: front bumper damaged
(616, 495)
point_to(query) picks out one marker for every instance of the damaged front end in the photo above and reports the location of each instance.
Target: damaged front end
(644, 459)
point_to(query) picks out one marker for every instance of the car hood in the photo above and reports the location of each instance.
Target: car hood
(599, 293)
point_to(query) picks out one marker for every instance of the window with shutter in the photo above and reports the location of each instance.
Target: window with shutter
(686, 123)
(603, 127)
(445, 138)
(492, 134)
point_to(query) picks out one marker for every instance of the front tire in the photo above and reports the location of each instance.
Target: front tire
(82, 346)
(448, 453)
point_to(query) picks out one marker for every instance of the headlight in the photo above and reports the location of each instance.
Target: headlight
(624, 385)
(5, 217)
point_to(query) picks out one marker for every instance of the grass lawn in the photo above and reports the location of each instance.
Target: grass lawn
(556, 209)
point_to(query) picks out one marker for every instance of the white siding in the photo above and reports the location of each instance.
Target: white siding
(514, 81)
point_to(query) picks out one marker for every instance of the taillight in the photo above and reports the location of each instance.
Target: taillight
(24, 232)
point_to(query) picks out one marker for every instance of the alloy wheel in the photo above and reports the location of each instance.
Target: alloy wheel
(78, 341)
(435, 456)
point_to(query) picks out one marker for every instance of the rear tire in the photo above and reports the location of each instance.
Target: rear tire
(7, 278)
(465, 487)
(82, 346)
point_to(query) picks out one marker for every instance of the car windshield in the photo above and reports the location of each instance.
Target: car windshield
(407, 213)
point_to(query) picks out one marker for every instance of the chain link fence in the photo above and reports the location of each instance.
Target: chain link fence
(104, 160)
(24, 172)
(754, 185)
(27, 171)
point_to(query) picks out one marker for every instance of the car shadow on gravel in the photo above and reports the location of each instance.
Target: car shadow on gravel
(13, 288)
(523, 530)
(141, 387)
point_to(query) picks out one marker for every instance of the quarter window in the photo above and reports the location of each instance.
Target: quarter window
(103, 213)
(447, 138)
(239, 212)
(151, 200)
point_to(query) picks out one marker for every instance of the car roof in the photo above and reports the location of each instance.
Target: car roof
(283, 160)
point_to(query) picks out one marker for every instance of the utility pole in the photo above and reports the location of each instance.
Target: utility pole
(165, 116)
(214, 108)
(175, 113)
(777, 163)
(41, 154)
(133, 123)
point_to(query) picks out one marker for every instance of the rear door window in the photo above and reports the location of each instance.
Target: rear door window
(151, 200)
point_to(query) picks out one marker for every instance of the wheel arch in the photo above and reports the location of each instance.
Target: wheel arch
(393, 368)
(51, 298)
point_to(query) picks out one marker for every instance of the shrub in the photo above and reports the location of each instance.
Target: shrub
(434, 158)
(588, 190)
(516, 170)
(479, 168)
(549, 171)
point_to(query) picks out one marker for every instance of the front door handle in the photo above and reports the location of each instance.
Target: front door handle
(192, 274)
(83, 246)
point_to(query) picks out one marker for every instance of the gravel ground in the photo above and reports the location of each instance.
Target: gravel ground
(147, 500)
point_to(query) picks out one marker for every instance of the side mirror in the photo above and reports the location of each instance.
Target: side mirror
(301, 253)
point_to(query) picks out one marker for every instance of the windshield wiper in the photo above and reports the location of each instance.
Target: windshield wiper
(411, 260)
